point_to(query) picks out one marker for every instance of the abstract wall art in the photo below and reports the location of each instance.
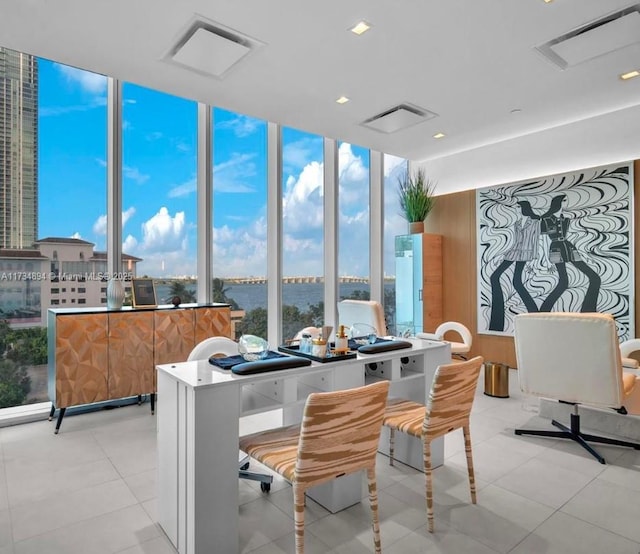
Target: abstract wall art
(557, 244)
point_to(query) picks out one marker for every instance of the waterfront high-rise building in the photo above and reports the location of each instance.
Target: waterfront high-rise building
(18, 149)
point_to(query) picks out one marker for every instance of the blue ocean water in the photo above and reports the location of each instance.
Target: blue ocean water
(301, 295)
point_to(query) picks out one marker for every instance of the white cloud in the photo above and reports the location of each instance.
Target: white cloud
(134, 174)
(130, 244)
(242, 126)
(295, 155)
(392, 164)
(100, 224)
(234, 174)
(353, 179)
(156, 135)
(185, 189)
(97, 102)
(164, 233)
(76, 235)
(90, 82)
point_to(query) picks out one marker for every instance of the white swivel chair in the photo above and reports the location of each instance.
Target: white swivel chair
(457, 348)
(574, 358)
(370, 312)
(627, 348)
(221, 347)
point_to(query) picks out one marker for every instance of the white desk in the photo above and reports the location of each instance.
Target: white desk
(198, 411)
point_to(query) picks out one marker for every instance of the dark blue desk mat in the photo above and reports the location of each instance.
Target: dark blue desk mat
(230, 361)
(273, 364)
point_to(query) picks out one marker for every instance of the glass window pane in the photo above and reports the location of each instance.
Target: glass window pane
(240, 220)
(353, 222)
(159, 189)
(394, 224)
(303, 228)
(53, 181)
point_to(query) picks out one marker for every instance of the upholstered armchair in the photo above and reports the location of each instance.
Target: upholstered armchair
(574, 358)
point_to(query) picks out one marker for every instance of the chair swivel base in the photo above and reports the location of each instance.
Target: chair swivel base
(576, 435)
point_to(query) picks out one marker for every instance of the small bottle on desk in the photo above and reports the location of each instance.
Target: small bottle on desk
(342, 343)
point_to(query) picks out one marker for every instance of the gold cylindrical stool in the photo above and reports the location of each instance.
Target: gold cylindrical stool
(496, 379)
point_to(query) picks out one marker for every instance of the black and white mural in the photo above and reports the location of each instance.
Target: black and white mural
(557, 244)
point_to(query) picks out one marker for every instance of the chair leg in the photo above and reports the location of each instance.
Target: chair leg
(392, 444)
(298, 516)
(373, 500)
(428, 483)
(467, 449)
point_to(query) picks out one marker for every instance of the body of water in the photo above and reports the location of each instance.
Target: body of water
(301, 295)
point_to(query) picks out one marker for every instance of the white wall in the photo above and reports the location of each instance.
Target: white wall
(600, 140)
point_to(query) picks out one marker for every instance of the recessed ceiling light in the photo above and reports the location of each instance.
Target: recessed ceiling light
(360, 28)
(548, 1)
(439, 135)
(630, 75)
(342, 100)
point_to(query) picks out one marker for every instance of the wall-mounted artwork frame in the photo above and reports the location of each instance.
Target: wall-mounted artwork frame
(143, 293)
(562, 243)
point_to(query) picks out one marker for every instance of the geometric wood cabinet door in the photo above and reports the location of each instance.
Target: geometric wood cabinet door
(173, 335)
(212, 322)
(81, 360)
(131, 367)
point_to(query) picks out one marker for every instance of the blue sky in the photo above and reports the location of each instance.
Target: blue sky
(159, 181)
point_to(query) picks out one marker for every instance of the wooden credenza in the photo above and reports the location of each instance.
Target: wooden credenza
(96, 354)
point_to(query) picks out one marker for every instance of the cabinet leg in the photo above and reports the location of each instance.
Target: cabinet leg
(53, 411)
(152, 398)
(59, 422)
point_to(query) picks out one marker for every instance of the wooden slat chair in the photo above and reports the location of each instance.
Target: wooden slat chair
(338, 435)
(448, 408)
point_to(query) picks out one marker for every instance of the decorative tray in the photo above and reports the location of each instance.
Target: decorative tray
(294, 350)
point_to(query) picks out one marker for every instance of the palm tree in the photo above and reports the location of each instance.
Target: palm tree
(178, 288)
(220, 293)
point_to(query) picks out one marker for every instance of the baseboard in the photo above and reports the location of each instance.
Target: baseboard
(595, 420)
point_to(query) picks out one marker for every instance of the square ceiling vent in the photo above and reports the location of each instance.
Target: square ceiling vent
(398, 118)
(211, 49)
(607, 35)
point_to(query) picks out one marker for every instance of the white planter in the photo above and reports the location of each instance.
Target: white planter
(115, 294)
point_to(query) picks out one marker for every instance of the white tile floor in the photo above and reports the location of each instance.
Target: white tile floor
(91, 490)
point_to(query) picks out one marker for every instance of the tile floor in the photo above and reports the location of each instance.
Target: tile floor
(91, 490)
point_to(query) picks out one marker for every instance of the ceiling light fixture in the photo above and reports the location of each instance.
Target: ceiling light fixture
(630, 75)
(439, 135)
(342, 100)
(360, 28)
(548, 1)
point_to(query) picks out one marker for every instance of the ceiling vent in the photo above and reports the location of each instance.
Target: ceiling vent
(210, 48)
(398, 118)
(611, 33)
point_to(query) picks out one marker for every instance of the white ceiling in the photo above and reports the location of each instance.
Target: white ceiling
(470, 61)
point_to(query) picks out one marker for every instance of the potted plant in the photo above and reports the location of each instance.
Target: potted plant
(416, 195)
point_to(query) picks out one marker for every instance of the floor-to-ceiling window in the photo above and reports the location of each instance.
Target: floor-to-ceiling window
(240, 219)
(53, 143)
(302, 227)
(159, 189)
(353, 222)
(394, 225)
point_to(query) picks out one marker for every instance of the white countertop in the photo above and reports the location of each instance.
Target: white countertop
(201, 374)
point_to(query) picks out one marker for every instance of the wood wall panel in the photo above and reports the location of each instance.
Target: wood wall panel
(81, 360)
(131, 368)
(454, 217)
(431, 280)
(212, 322)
